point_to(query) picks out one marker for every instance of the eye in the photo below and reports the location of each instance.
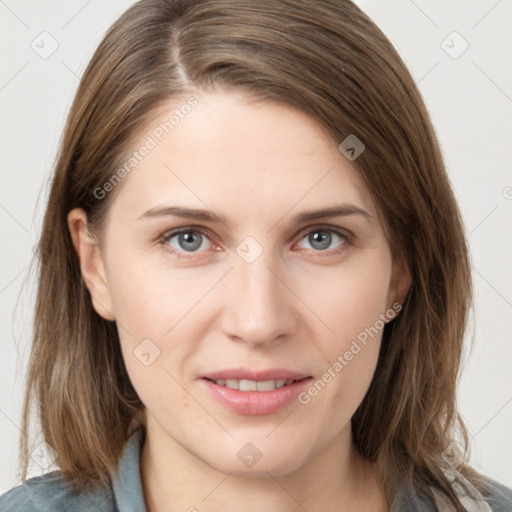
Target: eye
(322, 238)
(187, 240)
(192, 240)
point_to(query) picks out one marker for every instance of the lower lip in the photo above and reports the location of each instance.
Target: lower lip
(253, 403)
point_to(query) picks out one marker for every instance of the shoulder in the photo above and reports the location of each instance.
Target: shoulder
(51, 493)
(491, 496)
(498, 496)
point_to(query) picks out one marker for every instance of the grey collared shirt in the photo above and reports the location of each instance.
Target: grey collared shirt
(50, 493)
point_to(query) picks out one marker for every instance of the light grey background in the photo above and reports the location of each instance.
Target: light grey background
(469, 96)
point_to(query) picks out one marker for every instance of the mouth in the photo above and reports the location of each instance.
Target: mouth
(254, 393)
(254, 385)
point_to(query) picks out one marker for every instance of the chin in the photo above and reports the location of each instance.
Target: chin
(251, 461)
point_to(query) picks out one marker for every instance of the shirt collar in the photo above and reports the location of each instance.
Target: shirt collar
(126, 482)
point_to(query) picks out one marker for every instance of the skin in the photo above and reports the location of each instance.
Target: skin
(297, 306)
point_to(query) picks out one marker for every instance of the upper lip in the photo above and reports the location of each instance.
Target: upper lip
(256, 375)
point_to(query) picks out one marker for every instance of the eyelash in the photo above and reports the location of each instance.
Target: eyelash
(343, 234)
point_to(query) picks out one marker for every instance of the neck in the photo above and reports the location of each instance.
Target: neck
(335, 479)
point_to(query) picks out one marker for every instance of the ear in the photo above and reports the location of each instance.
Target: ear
(91, 263)
(400, 283)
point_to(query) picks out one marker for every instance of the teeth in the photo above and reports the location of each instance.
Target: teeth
(269, 385)
(248, 385)
(252, 385)
(233, 384)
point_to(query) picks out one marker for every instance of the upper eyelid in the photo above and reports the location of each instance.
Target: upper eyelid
(171, 233)
(325, 227)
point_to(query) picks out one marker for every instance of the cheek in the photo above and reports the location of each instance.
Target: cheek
(151, 299)
(154, 309)
(354, 309)
(159, 322)
(352, 302)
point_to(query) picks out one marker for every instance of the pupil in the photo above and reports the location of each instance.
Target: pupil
(322, 238)
(189, 242)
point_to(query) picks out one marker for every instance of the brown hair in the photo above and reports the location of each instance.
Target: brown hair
(329, 60)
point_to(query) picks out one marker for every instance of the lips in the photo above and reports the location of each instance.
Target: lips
(255, 375)
(252, 392)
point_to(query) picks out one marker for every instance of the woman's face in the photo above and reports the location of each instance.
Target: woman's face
(268, 293)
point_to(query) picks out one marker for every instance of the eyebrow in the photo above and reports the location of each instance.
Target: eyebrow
(208, 216)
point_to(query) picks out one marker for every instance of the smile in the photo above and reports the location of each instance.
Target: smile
(255, 397)
(253, 385)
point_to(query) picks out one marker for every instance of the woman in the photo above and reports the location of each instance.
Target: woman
(254, 279)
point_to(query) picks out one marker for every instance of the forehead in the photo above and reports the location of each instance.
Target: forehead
(238, 158)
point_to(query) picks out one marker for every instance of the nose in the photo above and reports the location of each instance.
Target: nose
(258, 307)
